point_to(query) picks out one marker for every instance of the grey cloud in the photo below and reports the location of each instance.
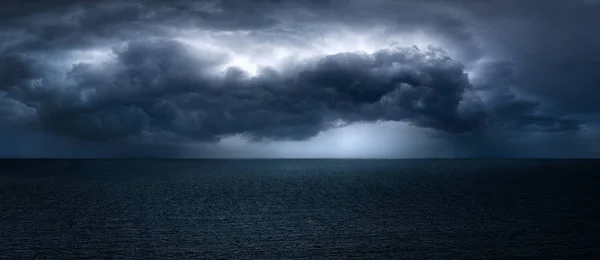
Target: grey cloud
(72, 25)
(156, 88)
(512, 111)
(56, 25)
(16, 68)
(553, 44)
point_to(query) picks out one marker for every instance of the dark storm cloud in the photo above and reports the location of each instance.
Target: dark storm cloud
(16, 68)
(508, 109)
(541, 75)
(553, 44)
(158, 88)
(59, 25)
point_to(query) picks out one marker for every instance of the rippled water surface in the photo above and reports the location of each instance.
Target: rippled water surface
(236, 209)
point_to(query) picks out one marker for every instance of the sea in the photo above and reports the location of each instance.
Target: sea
(300, 209)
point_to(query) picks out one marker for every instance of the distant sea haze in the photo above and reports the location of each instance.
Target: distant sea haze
(299, 209)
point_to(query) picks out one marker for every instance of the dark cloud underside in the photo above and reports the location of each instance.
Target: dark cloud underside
(126, 72)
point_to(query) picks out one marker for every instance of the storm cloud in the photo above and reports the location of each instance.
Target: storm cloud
(155, 74)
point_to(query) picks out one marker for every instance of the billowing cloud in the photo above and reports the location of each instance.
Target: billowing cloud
(160, 89)
(509, 109)
(151, 73)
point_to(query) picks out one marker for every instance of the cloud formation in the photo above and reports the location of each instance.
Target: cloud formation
(150, 72)
(159, 89)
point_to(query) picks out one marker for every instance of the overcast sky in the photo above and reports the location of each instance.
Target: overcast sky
(283, 78)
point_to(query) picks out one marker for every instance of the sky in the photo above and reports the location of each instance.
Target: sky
(300, 79)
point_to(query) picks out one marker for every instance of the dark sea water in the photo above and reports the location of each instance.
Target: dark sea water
(261, 209)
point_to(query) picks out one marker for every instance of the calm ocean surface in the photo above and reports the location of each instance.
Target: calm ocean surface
(238, 209)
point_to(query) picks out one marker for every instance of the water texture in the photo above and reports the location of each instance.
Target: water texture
(304, 209)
